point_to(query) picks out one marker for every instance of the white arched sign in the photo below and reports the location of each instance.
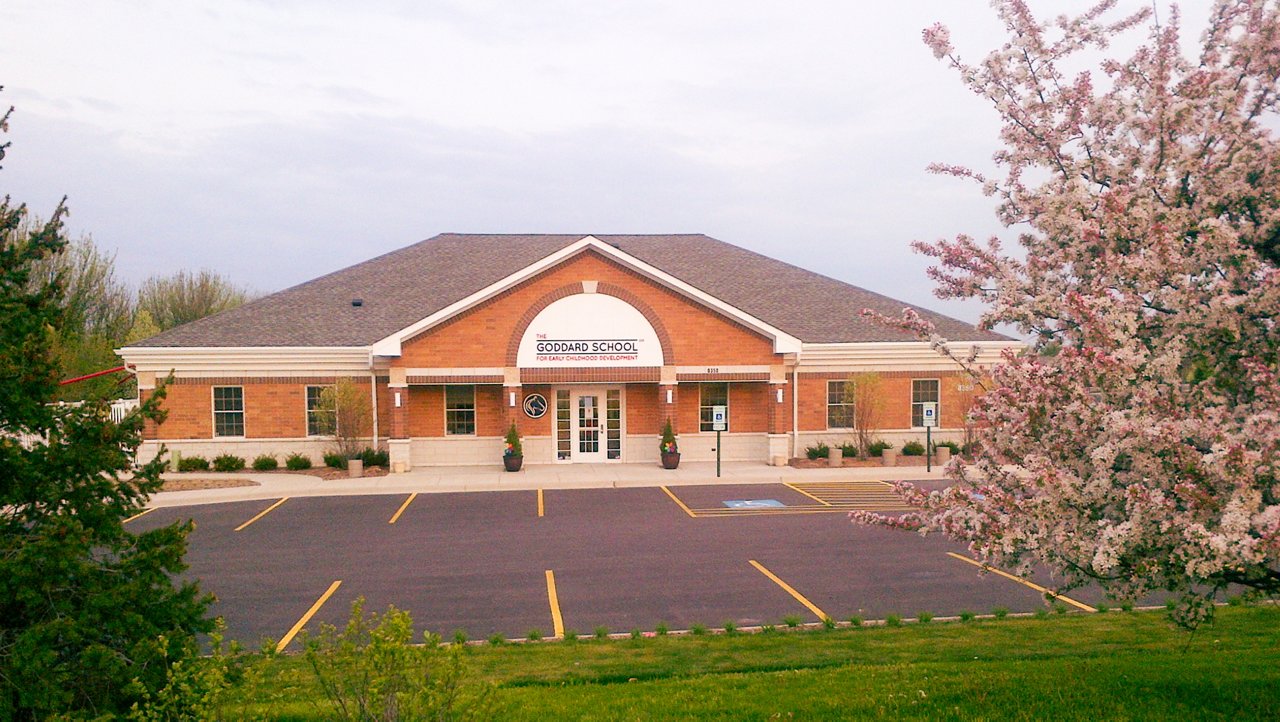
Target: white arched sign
(589, 329)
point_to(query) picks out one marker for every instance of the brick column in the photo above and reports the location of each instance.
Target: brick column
(668, 410)
(779, 411)
(398, 442)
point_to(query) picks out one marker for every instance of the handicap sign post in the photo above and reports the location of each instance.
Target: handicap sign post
(719, 422)
(930, 413)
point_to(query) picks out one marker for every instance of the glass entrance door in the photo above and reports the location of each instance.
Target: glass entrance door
(586, 428)
(588, 424)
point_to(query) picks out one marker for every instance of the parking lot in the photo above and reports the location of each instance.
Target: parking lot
(510, 562)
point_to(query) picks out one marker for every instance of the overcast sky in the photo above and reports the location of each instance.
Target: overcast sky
(277, 141)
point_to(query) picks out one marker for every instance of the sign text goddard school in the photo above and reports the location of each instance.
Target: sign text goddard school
(613, 349)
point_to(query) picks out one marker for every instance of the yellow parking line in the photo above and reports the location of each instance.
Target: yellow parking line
(1022, 581)
(403, 506)
(557, 621)
(288, 637)
(789, 590)
(681, 504)
(541, 508)
(142, 513)
(793, 487)
(262, 513)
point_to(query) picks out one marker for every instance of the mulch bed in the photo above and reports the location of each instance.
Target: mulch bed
(325, 472)
(807, 463)
(198, 483)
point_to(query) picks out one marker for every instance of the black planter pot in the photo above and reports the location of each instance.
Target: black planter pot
(670, 459)
(512, 463)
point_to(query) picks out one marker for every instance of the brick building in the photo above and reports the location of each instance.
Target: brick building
(588, 343)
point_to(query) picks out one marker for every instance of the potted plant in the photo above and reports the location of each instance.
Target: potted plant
(513, 454)
(670, 452)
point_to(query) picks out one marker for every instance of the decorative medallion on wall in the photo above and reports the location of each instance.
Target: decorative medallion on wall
(535, 405)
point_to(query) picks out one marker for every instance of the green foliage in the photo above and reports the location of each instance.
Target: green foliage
(913, 448)
(791, 621)
(1000, 612)
(955, 448)
(967, 616)
(297, 462)
(768, 629)
(497, 640)
(513, 447)
(730, 627)
(334, 460)
(849, 450)
(459, 636)
(92, 616)
(893, 620)
(186, 296)
(924, 617)
(1126, 606)
(352, 416)
(570, 635)
(636, 633)
(1103, 608)
(227, 463)
(828, 623)
(820, 451)
(601, 633)
(265, 462)
(698, 629)
(371, 670)
(1060, 608)
(374, 457)
(534, 635)
(661, 629)
(855, 621)
(193, 463)
(876, 448)
(1041, 613)
(668, 442)
(195, 687)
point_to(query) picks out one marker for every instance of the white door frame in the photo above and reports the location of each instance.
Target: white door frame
(601, 394)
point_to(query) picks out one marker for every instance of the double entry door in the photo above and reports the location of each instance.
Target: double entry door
(589, 424)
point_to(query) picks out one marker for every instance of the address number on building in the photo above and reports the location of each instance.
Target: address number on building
(535, 405)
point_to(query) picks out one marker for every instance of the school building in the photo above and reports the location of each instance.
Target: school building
(588, 343)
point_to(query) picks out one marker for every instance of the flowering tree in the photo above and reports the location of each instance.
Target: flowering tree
(1144, 454)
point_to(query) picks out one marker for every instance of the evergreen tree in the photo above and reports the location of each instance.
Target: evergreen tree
(90, 615)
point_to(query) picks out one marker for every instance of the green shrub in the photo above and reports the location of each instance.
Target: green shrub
(1126, 606)
(698, 629)
(1103, 608)
(297, 462)
(371, 669)
(893, 620)
(955, 448)
(266, 462)
(334, 460)
(497, 640)
(924, 617)
(730, 627)
(855, 621)
(1042, 613)
(228, 462)
(969, 449)
(877, 447)
(534, 635)
(193, 463)
(1000, 612)
(817, 452)
(1061, 608)
(768, 629)
(967, 616)
(913, 448)
(570, 635)
(849, 450)
(661, 629)
(791, 620)
(828, 623)
(459, 636)
(602, 632)
(637, 633)
(373, 457)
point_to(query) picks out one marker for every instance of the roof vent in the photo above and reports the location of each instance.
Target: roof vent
(357, 302)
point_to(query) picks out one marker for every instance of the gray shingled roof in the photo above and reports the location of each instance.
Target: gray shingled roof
(403, 287)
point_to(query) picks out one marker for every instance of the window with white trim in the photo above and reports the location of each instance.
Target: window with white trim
(321, 419)
(839, 406)
(923, 391)
(460, 410)
(228, 411)
(712, 394)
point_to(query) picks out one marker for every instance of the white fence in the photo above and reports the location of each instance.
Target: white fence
(120, 408)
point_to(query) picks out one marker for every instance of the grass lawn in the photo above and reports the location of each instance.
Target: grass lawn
(1116, 666)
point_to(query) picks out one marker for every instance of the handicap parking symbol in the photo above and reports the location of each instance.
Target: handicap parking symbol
(753, 503)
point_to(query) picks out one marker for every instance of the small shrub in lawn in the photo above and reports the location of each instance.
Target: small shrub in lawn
(459, 636)
(924, 617)
(698, 629)
(730, 627)
(334, 460)
(1059, 608)
(193, 463)
(266, 462)
(602, 632)
(570, 635)
(1042, 613)
(662, 629)
(1126, 606)
(497, 640)
(967, 616)
(534, 635)
(297, 462)
(1235, 600)
(637, 633)
(1102, 608)
(228, 462)
(791, 620)
(913, 448)
(1170, 605)
(855, 621)
(893, 620)
(820, 451)
(1000, 612)
(876, 448)
(828, 623)
(768, 629)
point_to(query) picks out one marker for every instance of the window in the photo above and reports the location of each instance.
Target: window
(228, 411)
(320, 416)
(460, 410)
(712, 394)
(839, 406)
(923, 391)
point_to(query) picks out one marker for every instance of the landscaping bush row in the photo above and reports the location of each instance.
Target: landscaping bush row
(268, 462)
(877, 449)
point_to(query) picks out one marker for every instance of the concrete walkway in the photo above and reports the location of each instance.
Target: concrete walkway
(532, 477)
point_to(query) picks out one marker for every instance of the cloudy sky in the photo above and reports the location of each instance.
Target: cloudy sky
(275, 141)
